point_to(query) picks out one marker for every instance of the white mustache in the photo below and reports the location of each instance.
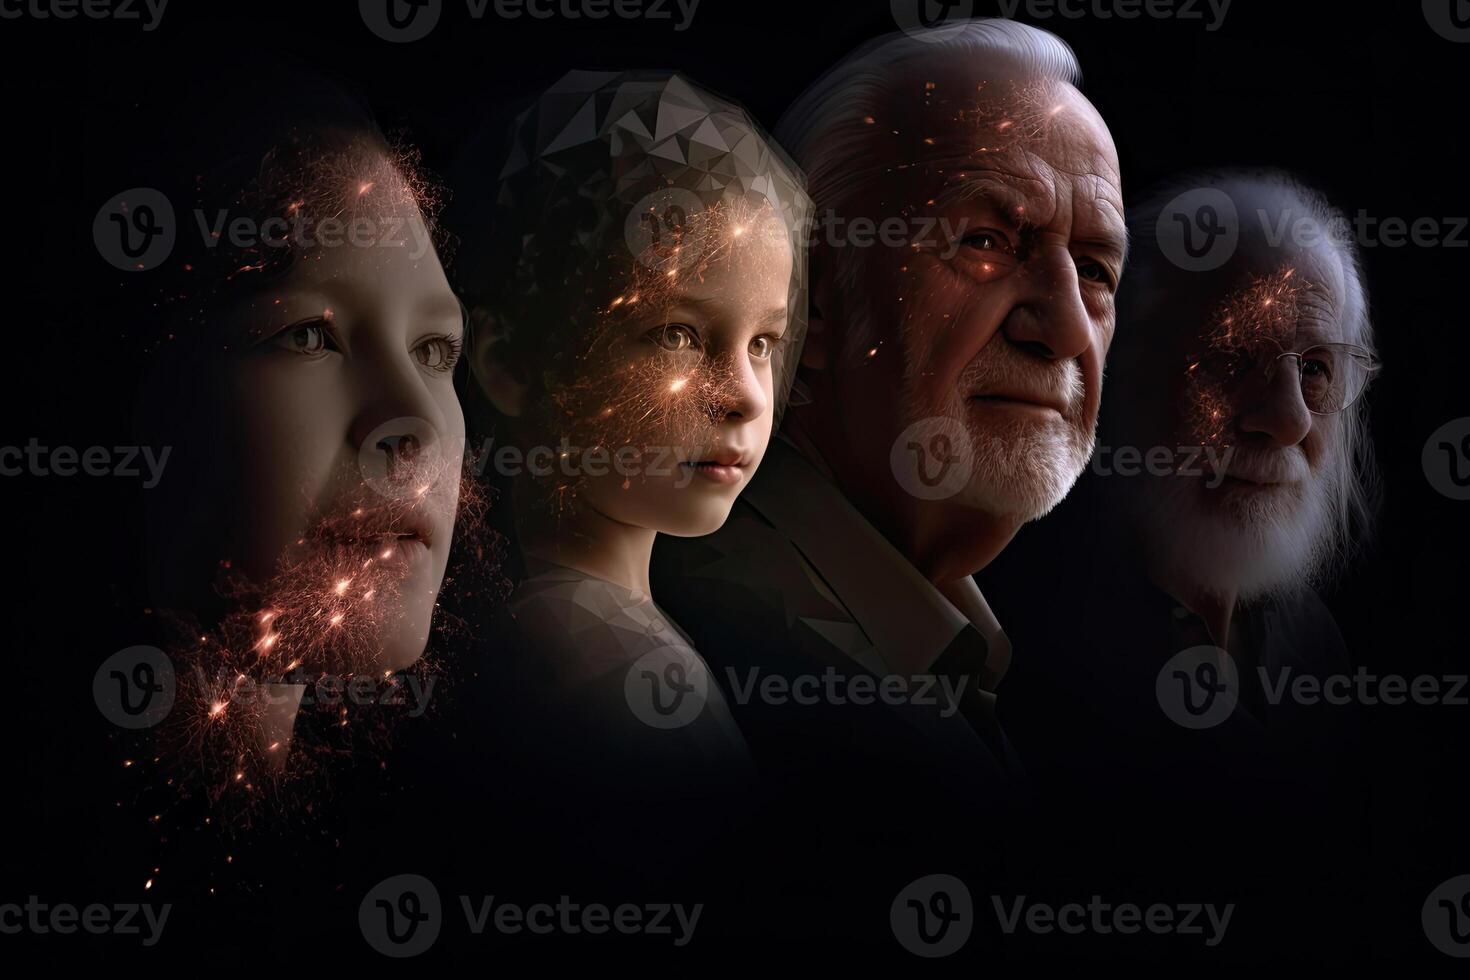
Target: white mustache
(1058, 382)
(1284, 466)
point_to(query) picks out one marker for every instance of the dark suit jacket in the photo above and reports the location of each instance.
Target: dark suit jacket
(834, 652)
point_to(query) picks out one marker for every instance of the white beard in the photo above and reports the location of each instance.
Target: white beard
(1025, 469)
(1271, 543)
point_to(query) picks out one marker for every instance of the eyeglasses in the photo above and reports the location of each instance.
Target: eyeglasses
(1332, 376)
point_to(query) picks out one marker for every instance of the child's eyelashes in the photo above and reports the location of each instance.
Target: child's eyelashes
(762, 346)
(439, 354)
(314, 338)
(308, 337)
(678, 337)
(674, 337)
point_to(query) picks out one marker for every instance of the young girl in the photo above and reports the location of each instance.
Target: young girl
(303, 337)
(638, 301)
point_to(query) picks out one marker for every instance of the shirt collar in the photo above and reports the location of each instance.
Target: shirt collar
(909, 621)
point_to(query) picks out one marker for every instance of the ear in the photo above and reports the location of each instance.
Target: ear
(502, 382)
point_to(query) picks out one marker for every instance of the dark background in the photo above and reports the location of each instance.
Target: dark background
(1369, 107)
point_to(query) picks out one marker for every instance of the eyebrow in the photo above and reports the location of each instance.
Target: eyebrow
(775, 315)
(1116, 244)
(441, 304)
(1005, 198)
(990, 187)
(710, 308)
(1119, 239)
(336, 295)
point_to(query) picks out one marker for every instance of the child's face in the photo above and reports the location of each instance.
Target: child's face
(672, 408)
(337, 439)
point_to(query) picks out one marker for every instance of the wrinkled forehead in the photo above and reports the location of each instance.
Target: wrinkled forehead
(1278, 229)
(946, 121)
(1286, 295)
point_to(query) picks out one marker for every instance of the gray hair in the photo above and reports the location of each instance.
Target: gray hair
(1355, 488)
(826, 130)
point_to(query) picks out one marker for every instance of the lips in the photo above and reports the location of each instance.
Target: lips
(1253, 482)
(727, 458)
(1035, 399)
(404, 533)
(726, 466)
(1267, 471)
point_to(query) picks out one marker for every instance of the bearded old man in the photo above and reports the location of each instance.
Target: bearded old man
(1182, 703)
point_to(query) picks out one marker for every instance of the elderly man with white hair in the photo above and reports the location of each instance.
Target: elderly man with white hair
(948, 393)
(1256, 365)
(1233, 477)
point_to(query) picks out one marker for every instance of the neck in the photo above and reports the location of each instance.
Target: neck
(589, 541)
(946, 541)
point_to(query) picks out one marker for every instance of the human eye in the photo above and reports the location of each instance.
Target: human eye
(764, 346)
(308, 337)
(674, 337)
(988, 240)
(986, 254)
(439, 353)
(1319, 362)
(1091, 270)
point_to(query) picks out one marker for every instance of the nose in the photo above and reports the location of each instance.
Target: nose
(1274, 408)
(1050, 320)
(401, 443)
(738, 393)
(399, 427)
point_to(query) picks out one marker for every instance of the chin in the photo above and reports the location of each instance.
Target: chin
(1249, 506)
(404, 647)
(683, 511)
(1026, 475)
(695, 524)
